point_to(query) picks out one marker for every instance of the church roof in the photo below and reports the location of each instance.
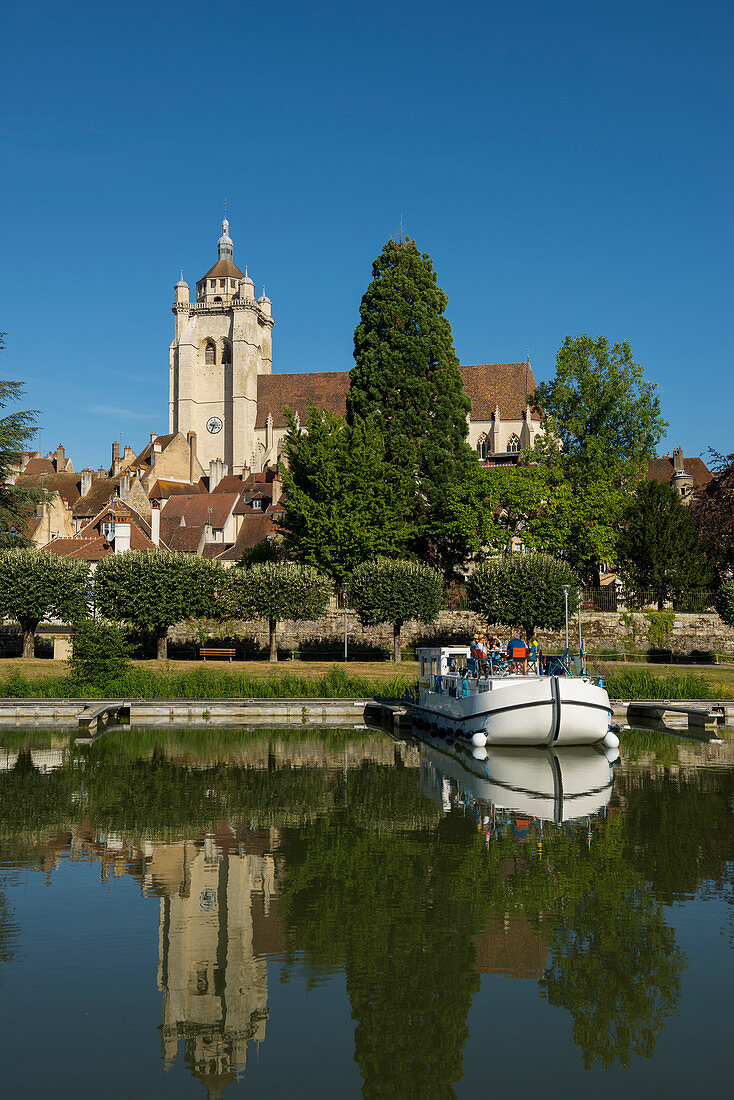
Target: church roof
(503, 384)
(223, 269)
(487, 384)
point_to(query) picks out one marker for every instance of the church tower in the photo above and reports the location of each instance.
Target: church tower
(221, 343)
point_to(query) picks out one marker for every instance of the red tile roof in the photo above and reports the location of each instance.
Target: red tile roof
(255, 528)
(162, 490)
(487, 384)
(36, 466)
(196, 509)
(662, 469)
(81, 547)
(187, 538)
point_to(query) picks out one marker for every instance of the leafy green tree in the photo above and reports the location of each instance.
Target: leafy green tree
(468, 522)
(602, 426)
(100, 652)
(35, 586)
(714, 515)
(658, 547)
(406, 373)
(344, 504)
(523, 590)
(16, 431)
(725, 602)
(275, 592)
(386, 591)
(152, 591)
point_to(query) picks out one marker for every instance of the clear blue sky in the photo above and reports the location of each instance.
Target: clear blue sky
(568, 166)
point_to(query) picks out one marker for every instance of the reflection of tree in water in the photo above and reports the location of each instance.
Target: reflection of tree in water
(391, 891)
(615, 966)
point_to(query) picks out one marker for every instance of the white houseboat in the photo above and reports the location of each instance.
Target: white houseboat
(505, 707)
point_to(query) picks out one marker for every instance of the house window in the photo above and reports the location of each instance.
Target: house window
(513, 444)
(222, 284)
(256, 504)
(209, 355)
(108, 529)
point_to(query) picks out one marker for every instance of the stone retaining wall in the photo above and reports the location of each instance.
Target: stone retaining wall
(602, 630)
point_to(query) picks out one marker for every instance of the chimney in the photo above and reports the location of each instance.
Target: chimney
(678, 460)
(155, 523)
(59, 459)
(122, 537)
(193, 463)
(86, 479)
(115, 458)
(124, 486)
(277, 489)
(216, 473)
(153, 436)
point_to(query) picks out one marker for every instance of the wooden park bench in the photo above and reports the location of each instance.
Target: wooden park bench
(205, 652)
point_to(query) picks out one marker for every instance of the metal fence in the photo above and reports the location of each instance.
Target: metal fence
(612, 598)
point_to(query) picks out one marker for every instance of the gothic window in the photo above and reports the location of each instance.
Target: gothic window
(227, 353)
(513, 444)
(210, 354)
(483, 447)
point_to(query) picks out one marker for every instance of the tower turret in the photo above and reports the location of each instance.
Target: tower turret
(221, 282)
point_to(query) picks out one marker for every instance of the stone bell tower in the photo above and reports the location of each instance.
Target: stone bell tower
(221, 343)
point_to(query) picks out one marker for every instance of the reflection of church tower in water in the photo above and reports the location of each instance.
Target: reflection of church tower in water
(215, 989)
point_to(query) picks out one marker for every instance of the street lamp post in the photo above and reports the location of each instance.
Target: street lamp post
(345, 590)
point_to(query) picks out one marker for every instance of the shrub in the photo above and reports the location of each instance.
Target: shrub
(100, 653)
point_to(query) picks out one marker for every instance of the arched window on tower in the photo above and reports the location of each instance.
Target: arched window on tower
(513, 444)
(227, 353)
(210, 354)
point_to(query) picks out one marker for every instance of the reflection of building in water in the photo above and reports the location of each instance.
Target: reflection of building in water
(214, 986)
(511, 947)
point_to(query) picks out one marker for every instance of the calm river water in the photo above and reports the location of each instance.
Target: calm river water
(287, 914)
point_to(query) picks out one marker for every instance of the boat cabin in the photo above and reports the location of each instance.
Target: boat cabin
(440, 661)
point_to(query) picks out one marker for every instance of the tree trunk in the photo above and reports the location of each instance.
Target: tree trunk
(396, 641)
(162, 645)
(273, 640)
(29, 636)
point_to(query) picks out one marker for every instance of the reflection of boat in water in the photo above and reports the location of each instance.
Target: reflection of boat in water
(507, 709)
(548, 784)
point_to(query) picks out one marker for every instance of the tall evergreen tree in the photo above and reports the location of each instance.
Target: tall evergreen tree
(16, 431)
(658, 547)
(406, 372)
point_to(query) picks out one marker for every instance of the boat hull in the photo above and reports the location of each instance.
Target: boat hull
(521, 710)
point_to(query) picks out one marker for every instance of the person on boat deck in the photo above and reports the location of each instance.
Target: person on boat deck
(473, 654)
(534, 651)
(482, 655)
(494, 644)
(517, 652)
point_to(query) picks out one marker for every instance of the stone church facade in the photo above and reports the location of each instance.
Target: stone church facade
(223, 389)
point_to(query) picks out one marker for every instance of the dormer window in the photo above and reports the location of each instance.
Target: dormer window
(257, 504)
(210, 354)
(108, 530)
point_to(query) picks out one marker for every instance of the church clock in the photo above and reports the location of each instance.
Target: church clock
(214, 425)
